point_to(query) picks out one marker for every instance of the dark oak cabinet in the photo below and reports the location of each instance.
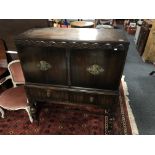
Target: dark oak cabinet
(73, 65)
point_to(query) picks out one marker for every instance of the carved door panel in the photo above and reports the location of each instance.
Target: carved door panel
(99, 69)
(44, 65)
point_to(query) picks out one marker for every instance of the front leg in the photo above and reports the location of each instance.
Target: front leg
(2, 112)
(33, 108)
(112, 111)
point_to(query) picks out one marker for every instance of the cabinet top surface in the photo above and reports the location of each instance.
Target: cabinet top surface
(74, 34)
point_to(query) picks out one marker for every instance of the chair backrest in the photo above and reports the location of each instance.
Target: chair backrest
(16, 72)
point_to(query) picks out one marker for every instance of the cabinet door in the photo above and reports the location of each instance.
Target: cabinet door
(96, 68)
(45, 65)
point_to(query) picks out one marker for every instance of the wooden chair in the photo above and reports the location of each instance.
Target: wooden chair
(14, 98)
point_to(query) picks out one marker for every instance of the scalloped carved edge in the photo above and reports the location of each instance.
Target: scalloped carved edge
(66, 44)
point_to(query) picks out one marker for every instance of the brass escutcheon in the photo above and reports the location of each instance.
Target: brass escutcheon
(95, 69)
(44, 65)
(48, 93)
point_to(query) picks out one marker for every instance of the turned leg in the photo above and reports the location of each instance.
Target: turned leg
(29, 114)
(111, 121)
(2, 112)
(33, 111)
(115, 113)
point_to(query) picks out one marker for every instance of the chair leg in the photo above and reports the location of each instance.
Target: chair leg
(2, 112)
(29, 113)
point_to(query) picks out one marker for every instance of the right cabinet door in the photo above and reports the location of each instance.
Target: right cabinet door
(96, 68)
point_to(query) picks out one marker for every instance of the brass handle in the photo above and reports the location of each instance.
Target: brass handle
(44, 65)
(48, 93)
(95, 69)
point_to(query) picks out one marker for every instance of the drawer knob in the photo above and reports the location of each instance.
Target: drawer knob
(91, 99)
(95, 69)
(108, 46)
(48, 93)
(121, 47)
(44, 65)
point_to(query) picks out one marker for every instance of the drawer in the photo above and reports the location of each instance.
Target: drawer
(82, 98)
(46, 94)
(105, 101)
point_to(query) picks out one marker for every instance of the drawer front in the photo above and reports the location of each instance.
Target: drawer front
(99, 69)
(45, 65)
(46, 94)
(105, 101)
(82, 98)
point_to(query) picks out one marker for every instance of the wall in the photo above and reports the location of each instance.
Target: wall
(9, 28)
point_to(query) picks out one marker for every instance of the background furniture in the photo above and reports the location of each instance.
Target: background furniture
(82, 24)
(143, 36)
(78, 66)
(14, 98)
(105, 23)
(149, 52)
(131, 29)
(138, 27)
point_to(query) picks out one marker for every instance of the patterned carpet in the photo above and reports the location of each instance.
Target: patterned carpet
(60, 119)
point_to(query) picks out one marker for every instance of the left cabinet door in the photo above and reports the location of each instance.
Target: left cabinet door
(45, 65)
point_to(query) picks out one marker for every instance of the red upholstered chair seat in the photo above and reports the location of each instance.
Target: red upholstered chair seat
(14, 98)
